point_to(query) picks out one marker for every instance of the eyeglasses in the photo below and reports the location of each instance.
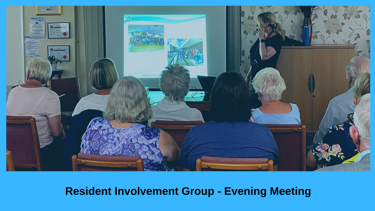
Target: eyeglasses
(350, 118)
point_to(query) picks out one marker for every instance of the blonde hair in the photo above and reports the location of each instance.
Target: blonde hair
(103, 74)
(362, 85)
(271, 19)
(39, 69)
(128, 102)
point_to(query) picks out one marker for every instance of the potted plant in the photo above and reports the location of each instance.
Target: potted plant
(53, 62)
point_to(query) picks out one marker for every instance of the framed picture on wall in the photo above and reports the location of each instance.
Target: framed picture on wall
(48, 10)
(60, 52)
(58, 30)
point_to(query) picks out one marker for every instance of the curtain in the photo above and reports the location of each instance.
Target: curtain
(90, 43)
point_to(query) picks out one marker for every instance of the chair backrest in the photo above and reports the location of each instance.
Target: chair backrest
(244, 164)
(87, 162)
(72, 142)
(10, 164)
(291, 143)
(68, 89)
(177, 129)
(23, 142)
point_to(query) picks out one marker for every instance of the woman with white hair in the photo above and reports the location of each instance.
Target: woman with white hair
(120, 131)
(32, 99)
(269, 85)
(175, 82)
(102, 77)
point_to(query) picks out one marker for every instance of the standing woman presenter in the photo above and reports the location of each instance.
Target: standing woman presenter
(266, 50)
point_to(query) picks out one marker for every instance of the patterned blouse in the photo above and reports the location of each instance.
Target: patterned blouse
(336, 147)
(101, 138)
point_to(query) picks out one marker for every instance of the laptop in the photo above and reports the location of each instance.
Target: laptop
(207, 83)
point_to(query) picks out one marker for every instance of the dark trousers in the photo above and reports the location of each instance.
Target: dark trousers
(52, 154)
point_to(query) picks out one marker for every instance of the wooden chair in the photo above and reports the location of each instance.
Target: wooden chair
(87, 162)
(23, 142)
(243, 164)
(177, 129)
(10, 164)
(310, 137)
(291, 143)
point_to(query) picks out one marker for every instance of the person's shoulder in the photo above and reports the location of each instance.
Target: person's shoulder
(294, 107)
(94, 97)
(150, 133)
(355, 166)
(98, 119)
(255, 126)
(195, 113)
(277, 38)
(255, 111)
(342, 98)
(49, 93)
(149, 129)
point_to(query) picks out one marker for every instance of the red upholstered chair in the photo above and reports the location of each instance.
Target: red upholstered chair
(69, 89)
(291, 143)
(177, 129)
(23, 142)
(88, 162)
(243, 164)
(10, 164)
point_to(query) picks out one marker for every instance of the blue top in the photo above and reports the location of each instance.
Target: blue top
(101, 138)
(230, 140)
(293, 117)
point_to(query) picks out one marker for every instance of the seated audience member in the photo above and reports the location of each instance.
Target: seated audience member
(360, 134)
(230, 134)
(341, 105)
(337, 146)
(120, 131)
(175, 82)
(269, 85)
(32, 99)
(102, 76)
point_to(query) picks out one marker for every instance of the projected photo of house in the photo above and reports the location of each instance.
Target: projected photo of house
(146, 38)
(185, 52)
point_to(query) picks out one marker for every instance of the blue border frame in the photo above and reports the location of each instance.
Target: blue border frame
(46, 190)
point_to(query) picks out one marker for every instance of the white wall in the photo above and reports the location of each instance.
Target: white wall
(15, 54)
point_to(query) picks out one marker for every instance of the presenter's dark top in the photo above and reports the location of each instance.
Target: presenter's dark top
(276, 42)
(230, 140)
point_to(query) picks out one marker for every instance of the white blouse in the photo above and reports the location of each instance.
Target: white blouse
(93, 101)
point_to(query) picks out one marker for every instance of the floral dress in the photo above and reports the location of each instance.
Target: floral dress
(336, 147)
(101, 138)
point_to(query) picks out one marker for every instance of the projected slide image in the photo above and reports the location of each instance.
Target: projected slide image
(146, 38)
(185, 52)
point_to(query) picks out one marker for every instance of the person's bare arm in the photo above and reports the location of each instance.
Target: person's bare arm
(55, 126)
(247, 79)
(266, 53)
(169, 148)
